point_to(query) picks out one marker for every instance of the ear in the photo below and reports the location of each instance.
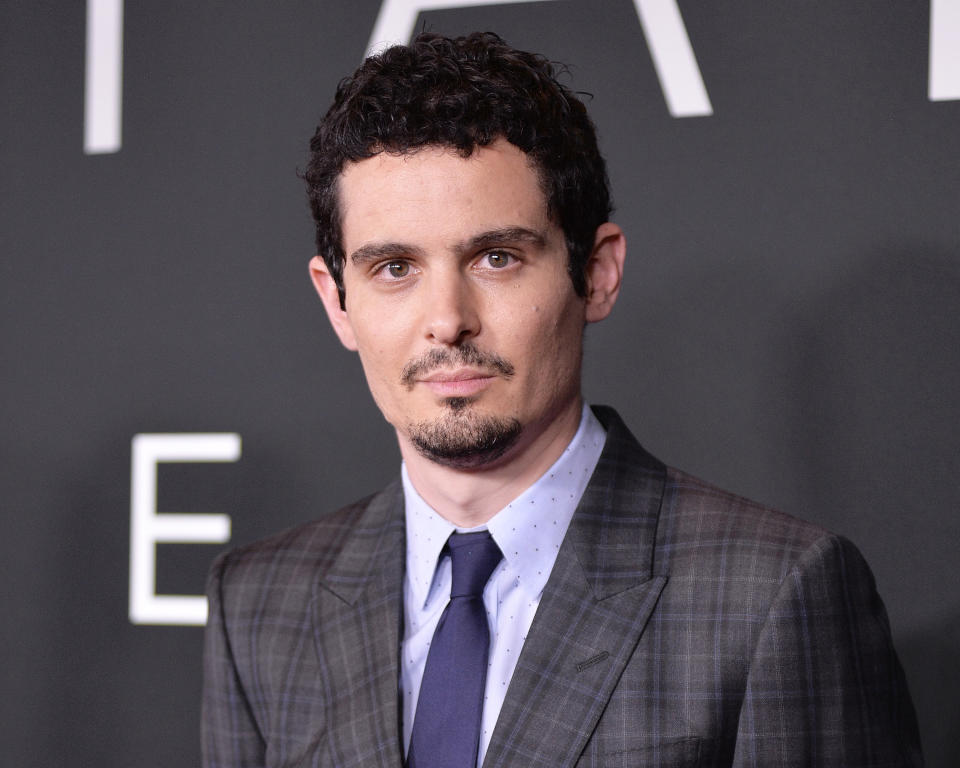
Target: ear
(327, 289)
(605, 271)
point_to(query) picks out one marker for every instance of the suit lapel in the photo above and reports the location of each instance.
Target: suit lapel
(357, 619)
(594, 608)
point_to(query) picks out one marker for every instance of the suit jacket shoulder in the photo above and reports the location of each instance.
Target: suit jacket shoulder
(705, 529)
(298, 625)
(331, 549)
(708, 630)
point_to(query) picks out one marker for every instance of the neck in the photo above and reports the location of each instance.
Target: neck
(468, 498)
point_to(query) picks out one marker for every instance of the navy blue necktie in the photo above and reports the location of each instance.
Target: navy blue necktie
(446, 728)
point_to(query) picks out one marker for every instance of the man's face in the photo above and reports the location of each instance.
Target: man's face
(458, 300)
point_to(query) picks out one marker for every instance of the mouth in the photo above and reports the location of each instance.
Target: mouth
(445, 366)
(462, 382)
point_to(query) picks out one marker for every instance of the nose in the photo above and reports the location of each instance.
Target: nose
(450, 307)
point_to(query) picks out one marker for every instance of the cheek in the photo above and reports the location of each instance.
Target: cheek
(380, 356)
(549, 337)
(377, 332)
(381, 366)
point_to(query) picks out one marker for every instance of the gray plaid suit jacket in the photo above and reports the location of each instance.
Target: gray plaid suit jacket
(681, 626)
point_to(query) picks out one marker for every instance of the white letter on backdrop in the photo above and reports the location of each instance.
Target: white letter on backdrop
(660, 20)
(673, 58)
(103, 80)
(147, 527)
(944, 50)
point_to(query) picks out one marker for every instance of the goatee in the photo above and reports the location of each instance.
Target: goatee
(462, 438)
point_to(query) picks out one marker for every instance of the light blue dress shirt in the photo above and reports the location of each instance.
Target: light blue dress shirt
(528, 531)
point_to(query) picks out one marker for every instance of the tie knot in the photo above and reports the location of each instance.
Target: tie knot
(473, 557)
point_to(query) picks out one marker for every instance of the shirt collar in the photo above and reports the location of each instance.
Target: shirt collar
(529, 530)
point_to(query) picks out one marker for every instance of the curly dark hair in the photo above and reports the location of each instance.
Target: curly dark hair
(462, 93)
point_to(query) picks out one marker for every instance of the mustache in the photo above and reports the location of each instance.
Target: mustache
(442, 357)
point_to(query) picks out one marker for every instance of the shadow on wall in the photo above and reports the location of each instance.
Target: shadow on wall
(933, 667)
(878, 394)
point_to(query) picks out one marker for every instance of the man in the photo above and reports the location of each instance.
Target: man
(618, 612)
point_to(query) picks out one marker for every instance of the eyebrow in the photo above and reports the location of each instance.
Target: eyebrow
(379, 251)
(503, 236)
(482, 241)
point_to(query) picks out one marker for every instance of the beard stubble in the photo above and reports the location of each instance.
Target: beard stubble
(462, 437)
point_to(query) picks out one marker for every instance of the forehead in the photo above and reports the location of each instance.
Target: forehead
(435, 192)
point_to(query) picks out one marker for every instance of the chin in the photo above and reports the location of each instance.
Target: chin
(463, 438)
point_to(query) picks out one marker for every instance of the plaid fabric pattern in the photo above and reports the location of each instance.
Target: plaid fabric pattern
(301, 660)
(681, 626)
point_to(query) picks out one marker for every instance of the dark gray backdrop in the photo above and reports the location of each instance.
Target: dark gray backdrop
(788, 328)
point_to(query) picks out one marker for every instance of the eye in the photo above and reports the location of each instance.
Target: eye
(498, 259)
(397, 269)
